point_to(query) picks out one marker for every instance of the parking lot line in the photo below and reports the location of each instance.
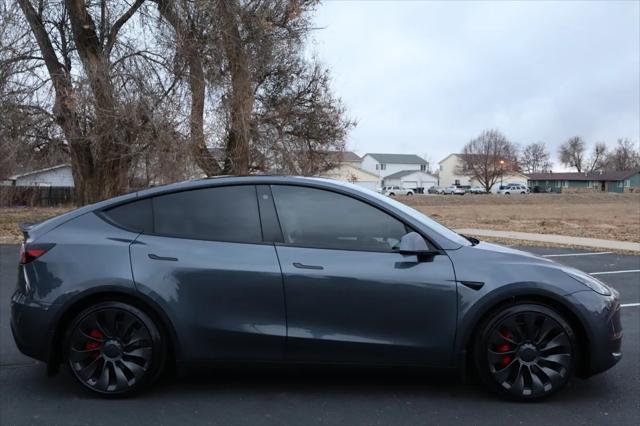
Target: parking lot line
(577, 254)
(614, 272)
(629, 305)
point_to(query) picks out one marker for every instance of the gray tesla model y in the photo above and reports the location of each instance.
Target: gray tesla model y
(284, 269)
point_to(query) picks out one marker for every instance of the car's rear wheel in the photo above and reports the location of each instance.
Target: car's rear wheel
(409, 193)
(525, 351)
(115, 349)
(391, 194)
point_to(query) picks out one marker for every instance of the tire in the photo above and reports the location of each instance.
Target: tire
(523, 193)
(114, 349)
(391, 194)
(525, 351)
(507, 193)
(409, 194)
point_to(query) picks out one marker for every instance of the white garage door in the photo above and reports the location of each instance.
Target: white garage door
(410, 184)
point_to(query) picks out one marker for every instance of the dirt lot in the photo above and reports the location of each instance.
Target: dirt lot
(607, 216)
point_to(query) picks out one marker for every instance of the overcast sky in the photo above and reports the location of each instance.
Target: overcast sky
(426, 77)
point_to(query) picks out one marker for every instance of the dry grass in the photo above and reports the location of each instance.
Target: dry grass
(11, 217)
(606, 216)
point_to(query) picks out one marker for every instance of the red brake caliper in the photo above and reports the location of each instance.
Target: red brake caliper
(89, 346)
(504, 347)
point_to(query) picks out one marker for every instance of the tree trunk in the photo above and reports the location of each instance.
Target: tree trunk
(111, 161)
(188, 47)
(65, 110)
(241, 96)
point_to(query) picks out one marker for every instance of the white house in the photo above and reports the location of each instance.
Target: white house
(449, 174)
(411, 179)
(387, 164)
(348, 170)
(56, 176)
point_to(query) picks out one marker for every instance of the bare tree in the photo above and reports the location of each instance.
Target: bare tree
(598, 157)
(298, 124)
(625, 156)
(120, 88)
(572, 153)
(487, 157)
(189, 23)
(112, 87)
(271, 106)
(536, 158)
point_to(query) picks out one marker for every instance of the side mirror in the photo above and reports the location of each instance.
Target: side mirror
(413, 243)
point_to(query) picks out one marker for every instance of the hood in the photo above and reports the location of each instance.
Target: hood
(497, 248)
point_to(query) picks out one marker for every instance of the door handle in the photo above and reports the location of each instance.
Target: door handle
(156, 257)
(303, 266)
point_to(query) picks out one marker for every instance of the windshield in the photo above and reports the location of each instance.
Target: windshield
(440, 229)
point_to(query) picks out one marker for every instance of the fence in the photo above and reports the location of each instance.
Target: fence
(35, 196)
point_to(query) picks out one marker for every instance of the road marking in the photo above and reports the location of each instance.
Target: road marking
(615, 272)
(577, 254)
(629, 305)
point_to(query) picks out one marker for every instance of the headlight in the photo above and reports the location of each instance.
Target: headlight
(591, 282)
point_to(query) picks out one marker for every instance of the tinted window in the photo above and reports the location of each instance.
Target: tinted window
(223, 214)
(135, 216)
(317, 218)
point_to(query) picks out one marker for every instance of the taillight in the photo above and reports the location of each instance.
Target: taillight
(30, 252)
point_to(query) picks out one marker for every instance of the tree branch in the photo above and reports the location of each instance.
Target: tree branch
(113, 34)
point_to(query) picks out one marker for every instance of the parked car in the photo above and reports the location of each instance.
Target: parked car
(392, 191)
(477, 190)
(199, 271)
(434, 190)
(512, 188)
(453, 190)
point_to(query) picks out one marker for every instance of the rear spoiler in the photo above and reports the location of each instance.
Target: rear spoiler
(25, 227)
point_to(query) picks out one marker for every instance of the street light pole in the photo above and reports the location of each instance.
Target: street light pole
(501, 171)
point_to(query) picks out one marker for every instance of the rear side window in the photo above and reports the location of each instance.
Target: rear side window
(135, 216)
(317, 218)
(227, 213)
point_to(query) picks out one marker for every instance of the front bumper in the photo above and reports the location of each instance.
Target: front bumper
(603, 329)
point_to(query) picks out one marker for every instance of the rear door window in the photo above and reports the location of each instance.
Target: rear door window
(228, 213)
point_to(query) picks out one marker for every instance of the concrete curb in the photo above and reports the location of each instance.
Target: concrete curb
(554, 239)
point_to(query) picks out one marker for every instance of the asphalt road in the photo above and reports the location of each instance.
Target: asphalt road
(304, 396)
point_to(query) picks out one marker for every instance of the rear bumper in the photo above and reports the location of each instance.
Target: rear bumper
(603, 328)
(30, 325)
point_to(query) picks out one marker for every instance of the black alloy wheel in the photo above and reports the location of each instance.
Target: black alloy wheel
(526, 352)
(114, 349)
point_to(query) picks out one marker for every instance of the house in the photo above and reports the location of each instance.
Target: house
(449, 174)
(59, 176)
(411, 179)
(384, 165)
(614, 181)
(348, 170)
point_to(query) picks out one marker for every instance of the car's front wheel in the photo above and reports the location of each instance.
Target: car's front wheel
(525, 351)
(114, 349)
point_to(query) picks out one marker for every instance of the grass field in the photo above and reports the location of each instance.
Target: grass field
(602, 215)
